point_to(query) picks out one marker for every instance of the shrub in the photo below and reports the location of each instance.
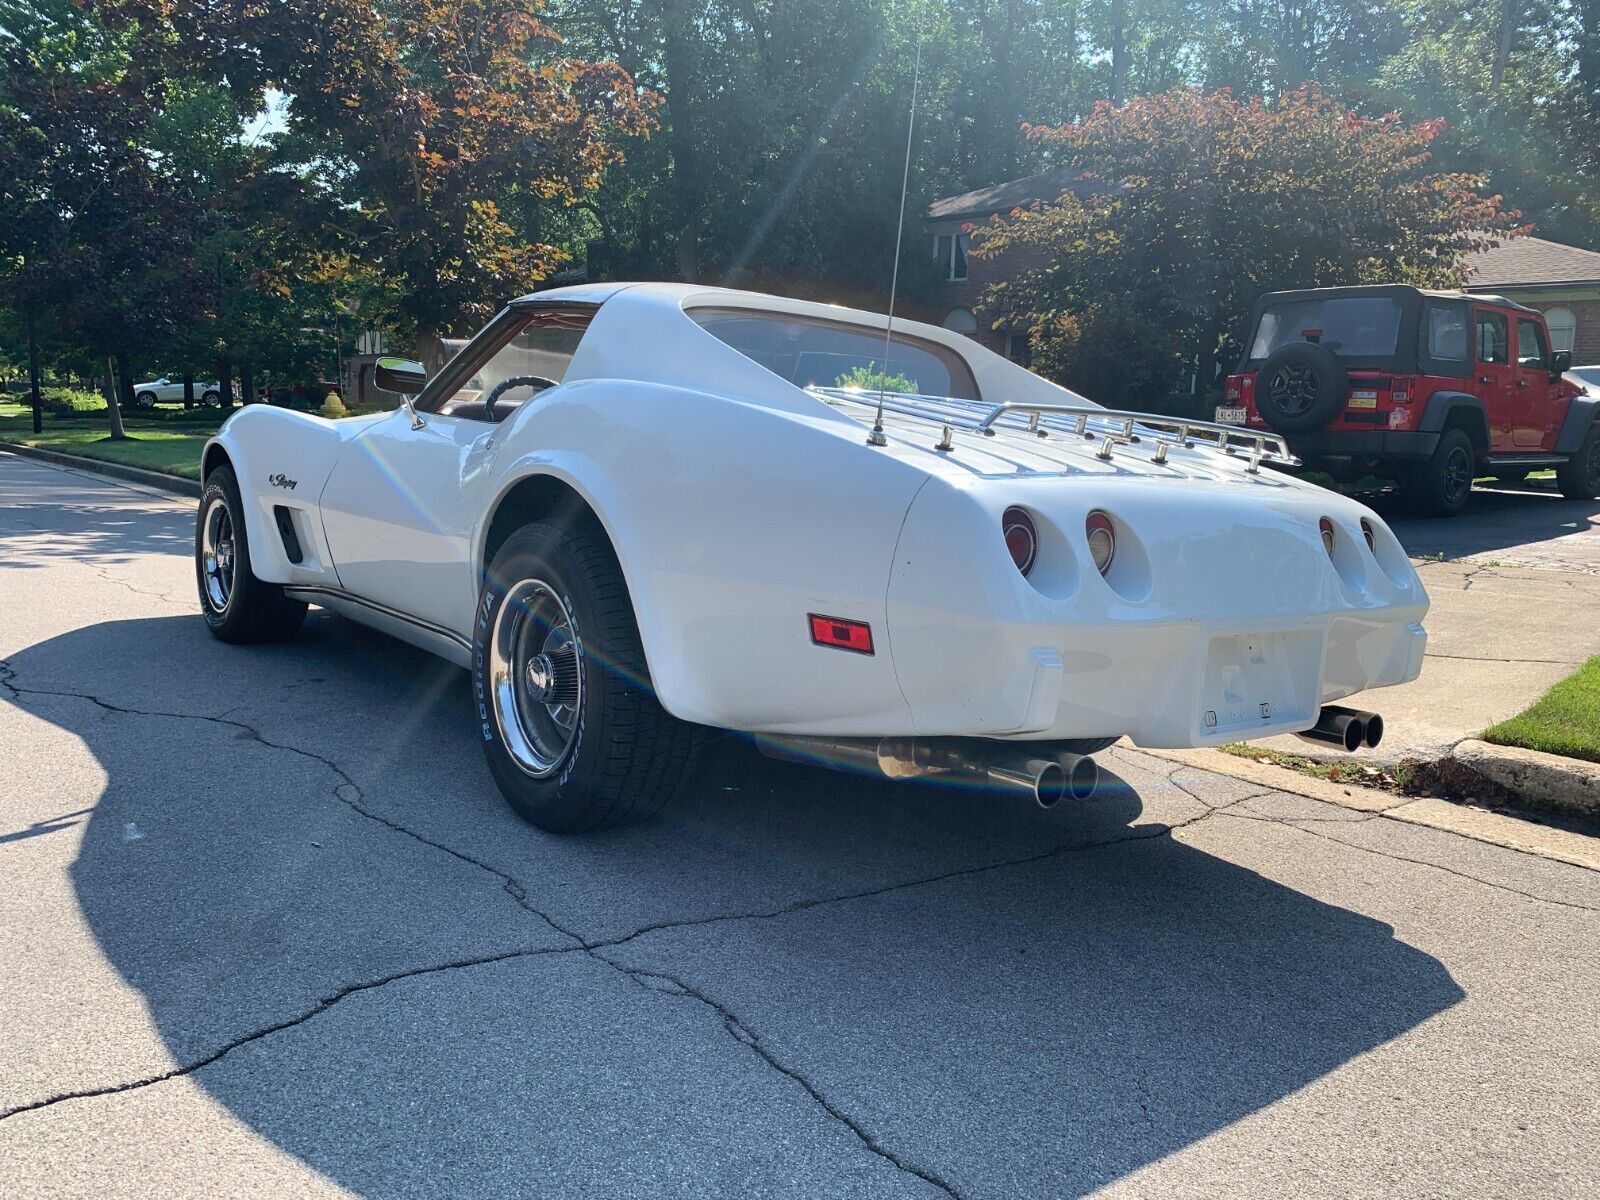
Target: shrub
(333, 408)
(67, 402)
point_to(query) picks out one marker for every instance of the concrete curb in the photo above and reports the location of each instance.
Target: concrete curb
(1537, 780)
(1480, 825)
(152, 479)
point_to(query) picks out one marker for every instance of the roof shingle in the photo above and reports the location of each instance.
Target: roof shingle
(1528, 260)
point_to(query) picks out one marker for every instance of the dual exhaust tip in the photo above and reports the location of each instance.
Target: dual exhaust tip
(1049, 777)
(1349, 728)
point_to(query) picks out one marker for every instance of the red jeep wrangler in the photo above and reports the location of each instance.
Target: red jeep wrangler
(1428, 388)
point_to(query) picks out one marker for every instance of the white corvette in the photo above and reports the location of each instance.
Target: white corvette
(635, 511)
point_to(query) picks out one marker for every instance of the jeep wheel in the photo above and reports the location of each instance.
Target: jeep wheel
(1440, 486)
(1301, 388)
(572, 729)
(1579, 477)
(237, 606)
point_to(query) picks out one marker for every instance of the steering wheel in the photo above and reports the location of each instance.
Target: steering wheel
(537, 382)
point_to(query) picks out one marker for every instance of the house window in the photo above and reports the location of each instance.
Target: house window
(950, 256)
(1018, 348)
(961, 320)
(1563, 328)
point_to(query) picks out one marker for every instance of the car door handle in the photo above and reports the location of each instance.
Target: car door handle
(1484, 379)
(1522, 383)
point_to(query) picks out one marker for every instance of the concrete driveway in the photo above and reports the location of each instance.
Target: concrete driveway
(267, 929)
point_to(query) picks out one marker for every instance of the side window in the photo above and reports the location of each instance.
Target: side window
(1447, 332)
(512, 363)
(1494, 337)
(1532, 352)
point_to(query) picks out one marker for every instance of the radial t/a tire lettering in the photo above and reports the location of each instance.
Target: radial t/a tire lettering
(571, 728)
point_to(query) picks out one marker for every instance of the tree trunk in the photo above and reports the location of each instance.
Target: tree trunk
(33, 377)
(188, 392)
(1510, 18)
(1589, 54)
(247, 384)
(678, 63)
(114, 400)
(225, 382)
(1119, 49)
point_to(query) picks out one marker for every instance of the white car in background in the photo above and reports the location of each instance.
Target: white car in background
(1587, 378)
(635, 512)
(147, 395)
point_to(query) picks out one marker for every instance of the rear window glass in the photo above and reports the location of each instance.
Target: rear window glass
(815, 353)
(1350, 326)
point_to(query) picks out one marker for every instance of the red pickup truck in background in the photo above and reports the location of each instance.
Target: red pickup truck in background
(1428, 388)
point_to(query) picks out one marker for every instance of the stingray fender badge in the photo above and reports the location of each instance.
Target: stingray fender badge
(282, 481)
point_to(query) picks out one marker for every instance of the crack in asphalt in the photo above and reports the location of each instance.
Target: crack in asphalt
(741, 1032)
(256, 1035)
(1555, 662)
(735, 1025)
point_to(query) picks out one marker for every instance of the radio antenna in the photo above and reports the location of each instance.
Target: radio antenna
(876, 437)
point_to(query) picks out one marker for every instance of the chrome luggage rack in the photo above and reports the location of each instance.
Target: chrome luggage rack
(1110, 426)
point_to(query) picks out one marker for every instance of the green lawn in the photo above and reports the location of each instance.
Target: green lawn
(168, 440)
(1565, 720)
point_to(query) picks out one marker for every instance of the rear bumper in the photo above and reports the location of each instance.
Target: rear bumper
(1172, 685)
(1356, 443)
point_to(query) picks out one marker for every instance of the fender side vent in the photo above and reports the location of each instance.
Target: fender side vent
(291, 540)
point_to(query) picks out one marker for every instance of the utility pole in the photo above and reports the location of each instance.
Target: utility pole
(33, 376)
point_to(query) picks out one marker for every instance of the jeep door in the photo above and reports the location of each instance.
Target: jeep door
(1494, 374)
(1534, 401)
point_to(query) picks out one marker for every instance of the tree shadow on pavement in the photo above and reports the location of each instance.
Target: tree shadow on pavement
(1496, 518)
(842, 986)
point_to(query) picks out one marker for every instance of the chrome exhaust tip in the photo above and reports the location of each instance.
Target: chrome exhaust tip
(1083, 775)
(1348, 728)
(1052, 785)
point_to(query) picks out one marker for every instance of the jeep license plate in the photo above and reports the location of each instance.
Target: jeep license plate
(1363, 398)
(1232, 416)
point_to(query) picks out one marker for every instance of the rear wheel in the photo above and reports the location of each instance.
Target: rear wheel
(1579, 476)
(237, 606)
(145, 399)
(211, 397)
(571, 727)
(1440, 486)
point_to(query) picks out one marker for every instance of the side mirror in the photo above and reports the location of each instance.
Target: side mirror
(399, 375)
(403, 376)
(1560, 364)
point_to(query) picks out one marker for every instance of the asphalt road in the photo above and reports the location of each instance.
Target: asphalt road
(266, 928)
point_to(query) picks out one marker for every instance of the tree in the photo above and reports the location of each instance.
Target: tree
(433, 132)
(94, 237)
(1205, 202)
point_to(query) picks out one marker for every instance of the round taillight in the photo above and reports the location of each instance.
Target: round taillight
(1102, 537)
(1022, 538)
(1366, 532)
(1326, 526)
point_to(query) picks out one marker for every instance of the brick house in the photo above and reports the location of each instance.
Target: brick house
(965, 279)
(1563, 282)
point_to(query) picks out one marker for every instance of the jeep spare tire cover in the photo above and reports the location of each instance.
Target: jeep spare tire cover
(1301, 388)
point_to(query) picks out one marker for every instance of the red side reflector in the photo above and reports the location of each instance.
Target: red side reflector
(841, 634)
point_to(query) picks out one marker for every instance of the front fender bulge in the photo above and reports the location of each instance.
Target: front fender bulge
(733, 524)
(282, 459)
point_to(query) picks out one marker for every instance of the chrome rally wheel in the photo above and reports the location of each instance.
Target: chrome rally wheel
(217, 555)
(536, 674)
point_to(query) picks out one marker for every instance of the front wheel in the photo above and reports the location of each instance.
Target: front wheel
(1440, 486)
(237, 606)
(1579, 477)
(571, 727)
